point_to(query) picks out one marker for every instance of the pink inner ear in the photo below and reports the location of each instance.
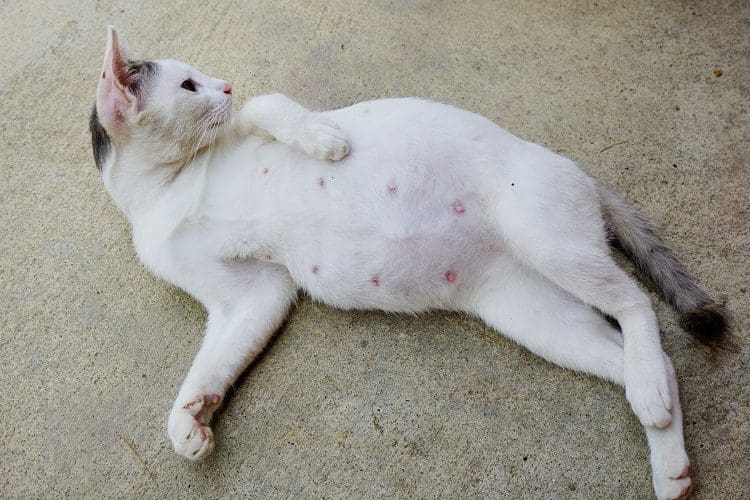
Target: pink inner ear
(113, 97)
(110, 106)
(115, 61)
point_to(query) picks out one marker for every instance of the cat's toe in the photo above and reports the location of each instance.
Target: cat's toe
(651, 411)
(669, 488)
(190, 436)
(200, 444)
(671, 473)
(324, 140)
(331, 148)
(647, 391)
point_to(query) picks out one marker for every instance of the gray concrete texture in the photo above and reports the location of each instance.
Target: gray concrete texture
(365, 404)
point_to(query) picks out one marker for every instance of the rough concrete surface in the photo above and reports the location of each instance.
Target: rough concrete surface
(365, 404)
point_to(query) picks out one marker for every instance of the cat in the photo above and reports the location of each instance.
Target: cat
(402, 205)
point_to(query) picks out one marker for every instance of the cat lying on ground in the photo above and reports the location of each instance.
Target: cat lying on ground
(433, 208)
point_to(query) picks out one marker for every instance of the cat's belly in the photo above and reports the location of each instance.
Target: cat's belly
(409, 274)
(404, 223)
(399, 258)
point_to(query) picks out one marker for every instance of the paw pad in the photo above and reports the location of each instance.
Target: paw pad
(190, 435)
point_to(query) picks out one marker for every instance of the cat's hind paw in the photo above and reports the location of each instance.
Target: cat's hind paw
(667, 487)
(670, 469)
(322, 139)
(190, 435)
(647, 391)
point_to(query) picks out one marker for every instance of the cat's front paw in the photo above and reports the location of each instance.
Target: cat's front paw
(191, 436)
(647, 391)
(321, 138)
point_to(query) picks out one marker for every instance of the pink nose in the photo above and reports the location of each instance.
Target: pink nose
(228, 89)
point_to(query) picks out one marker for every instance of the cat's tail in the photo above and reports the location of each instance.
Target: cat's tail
(700, 315)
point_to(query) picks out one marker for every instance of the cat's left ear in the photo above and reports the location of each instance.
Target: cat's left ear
(113, 97)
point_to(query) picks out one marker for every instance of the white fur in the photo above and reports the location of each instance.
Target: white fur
(433, 208)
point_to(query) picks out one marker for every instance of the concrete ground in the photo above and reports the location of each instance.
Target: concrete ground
(652, 98)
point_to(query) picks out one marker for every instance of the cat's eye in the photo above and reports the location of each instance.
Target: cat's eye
(188, 85)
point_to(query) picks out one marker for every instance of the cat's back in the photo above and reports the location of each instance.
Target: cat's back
(414, 127)
(409, 159)
(403, 146)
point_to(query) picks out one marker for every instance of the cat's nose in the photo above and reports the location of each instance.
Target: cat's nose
(228, 89)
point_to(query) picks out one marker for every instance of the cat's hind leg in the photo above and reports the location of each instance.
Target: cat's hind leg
(553, 324)
(240, 323)
(552, 223)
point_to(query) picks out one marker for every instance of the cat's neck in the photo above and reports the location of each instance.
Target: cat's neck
(138, 186)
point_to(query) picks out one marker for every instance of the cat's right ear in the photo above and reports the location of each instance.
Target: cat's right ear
(113, 98)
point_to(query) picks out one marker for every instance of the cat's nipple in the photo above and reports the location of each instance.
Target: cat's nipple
(265, 170)
(392, 187)
(321, 182)
(451, 276)
(375, 281)
(314, 269)
(459, 207)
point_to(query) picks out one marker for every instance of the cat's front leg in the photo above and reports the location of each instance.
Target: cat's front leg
(239, 326)
(277, 117)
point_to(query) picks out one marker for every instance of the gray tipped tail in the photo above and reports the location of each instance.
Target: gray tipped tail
(700, 315)
(709, 323)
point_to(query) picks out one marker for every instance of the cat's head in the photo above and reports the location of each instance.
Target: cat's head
(164, 110)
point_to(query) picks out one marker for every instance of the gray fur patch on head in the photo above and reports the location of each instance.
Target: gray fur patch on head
(100, 141)
(140, 75)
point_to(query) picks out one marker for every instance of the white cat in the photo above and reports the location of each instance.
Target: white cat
(433, 208)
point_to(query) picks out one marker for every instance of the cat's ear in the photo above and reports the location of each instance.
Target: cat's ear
(113, 97)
